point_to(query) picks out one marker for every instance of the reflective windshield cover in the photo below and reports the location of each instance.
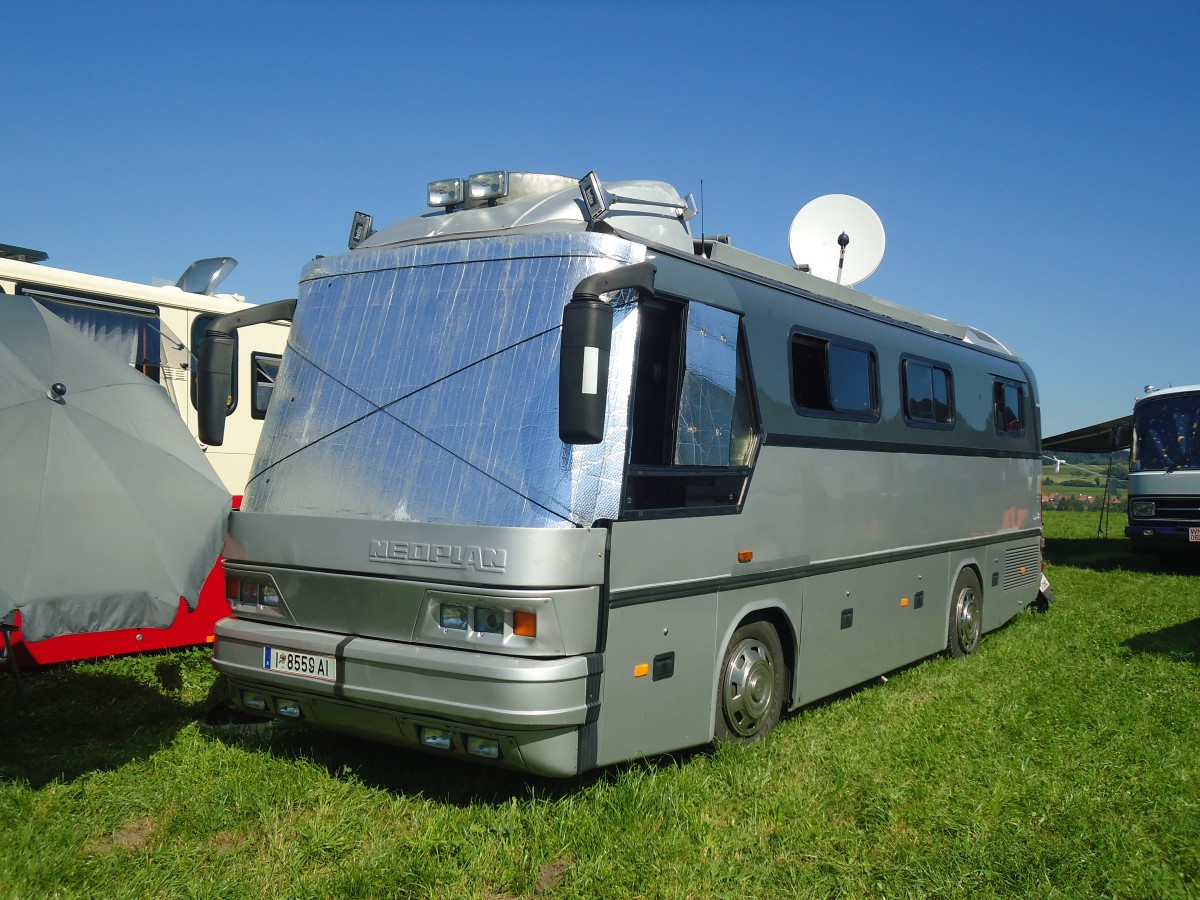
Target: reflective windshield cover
(1167, 433)
(421, 384)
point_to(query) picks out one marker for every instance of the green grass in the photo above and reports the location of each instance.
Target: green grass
(1059, 761)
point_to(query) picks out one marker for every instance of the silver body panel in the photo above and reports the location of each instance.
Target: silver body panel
(410, 459)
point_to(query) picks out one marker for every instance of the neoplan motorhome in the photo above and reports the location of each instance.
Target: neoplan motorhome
(548, 483)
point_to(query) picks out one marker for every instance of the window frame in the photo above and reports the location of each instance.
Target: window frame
(813, 337)
(648, 486)
(256, 356)
(915, 421)
(999, 385)
(135, 309)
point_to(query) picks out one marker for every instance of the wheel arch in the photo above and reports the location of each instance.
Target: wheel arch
(775, 616)
(972, 566)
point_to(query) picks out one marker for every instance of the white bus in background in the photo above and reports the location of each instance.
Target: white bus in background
(1164, 471)
(155, 328)
(1163, 438)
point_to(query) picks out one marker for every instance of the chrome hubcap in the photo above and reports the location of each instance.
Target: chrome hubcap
(749, 683)
(968, 619)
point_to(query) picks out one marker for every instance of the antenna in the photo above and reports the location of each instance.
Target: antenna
(838, 237)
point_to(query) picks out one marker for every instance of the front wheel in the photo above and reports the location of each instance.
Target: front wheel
(752, 684)
(966, 615)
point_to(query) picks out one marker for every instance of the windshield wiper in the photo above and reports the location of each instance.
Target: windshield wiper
(1183, 463)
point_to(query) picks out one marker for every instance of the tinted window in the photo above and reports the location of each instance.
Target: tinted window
(834, 375)
(1009, 407)
(928, 394)
(131, 333)
(692, 423)
(1167, 433)
(266, 367)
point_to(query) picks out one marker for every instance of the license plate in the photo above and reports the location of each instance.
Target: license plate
(293, 662)
(1194, 534)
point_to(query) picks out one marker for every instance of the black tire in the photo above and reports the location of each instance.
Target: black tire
(965, 629)
(752, 685)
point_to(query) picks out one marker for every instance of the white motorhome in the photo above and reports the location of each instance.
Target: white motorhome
(550, 482)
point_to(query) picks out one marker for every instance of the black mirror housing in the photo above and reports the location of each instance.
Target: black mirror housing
(583, 373)
(214, 385)
(586, 342)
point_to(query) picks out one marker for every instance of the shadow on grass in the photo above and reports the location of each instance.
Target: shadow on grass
(453, 779)
(449, 779)
(72, 722)
(1178, 642)
(442, 777)
(1107, 555)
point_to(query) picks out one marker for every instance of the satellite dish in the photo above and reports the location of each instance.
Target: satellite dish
(838, 237)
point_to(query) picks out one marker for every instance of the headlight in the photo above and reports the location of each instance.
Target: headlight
(453, 616)
(488, 186)
(253, 592)
(525, 625)
(437, 738)
(488, 618)
(488, 748)
(447, 192)
(1143, 509)
(489, 621)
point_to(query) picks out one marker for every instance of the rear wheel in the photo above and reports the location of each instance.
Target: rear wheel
(966, 615)
(752, 684)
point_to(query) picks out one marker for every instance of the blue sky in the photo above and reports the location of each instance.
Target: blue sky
(1036, 165)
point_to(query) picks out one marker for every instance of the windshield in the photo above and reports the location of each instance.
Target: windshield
(1167, 433)
(420, 384)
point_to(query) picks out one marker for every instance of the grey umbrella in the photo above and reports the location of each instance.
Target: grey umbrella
(111, 512)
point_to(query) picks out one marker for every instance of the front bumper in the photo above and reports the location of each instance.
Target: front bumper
(1162, 537)
(388, 691)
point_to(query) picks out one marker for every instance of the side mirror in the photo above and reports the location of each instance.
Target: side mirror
(214, 385)
(214, 364)
(1122, 437)
(586, 342)
(583, 373)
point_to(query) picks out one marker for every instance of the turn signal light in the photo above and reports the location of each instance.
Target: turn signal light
(525, 623)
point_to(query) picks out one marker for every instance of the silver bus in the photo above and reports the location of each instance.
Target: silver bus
(550, 483)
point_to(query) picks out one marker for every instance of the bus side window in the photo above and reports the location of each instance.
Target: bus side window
(1009, 411)
(810, 375)
(709, 395)
(928, 393)
(834, 377)
(132, 333)
(265, 369)
(199, 325)
(692, 423)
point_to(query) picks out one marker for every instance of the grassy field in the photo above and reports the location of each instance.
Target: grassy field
(1062, 760)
